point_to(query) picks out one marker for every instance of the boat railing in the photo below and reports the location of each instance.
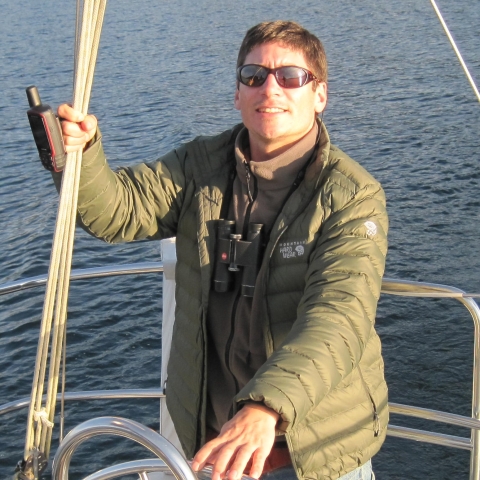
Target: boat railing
(84, 274)
(389, 286)
(407, 288)
(171, 459)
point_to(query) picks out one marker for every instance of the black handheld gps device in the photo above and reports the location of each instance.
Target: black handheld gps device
(47, 132)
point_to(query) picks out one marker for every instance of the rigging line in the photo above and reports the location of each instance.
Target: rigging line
(100, 13)
(79, 85)
(59, 314)
(61, 308)
(62, 400)
(59, 326)
(455, 48)
(39, 427)
(77, 38)
(65, 259)
(56, 257)
(88, 50)
(42, 350)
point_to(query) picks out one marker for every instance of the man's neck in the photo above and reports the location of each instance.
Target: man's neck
(261, 153)
(261, 149)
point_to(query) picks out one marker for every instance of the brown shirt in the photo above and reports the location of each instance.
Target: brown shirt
(236, 347)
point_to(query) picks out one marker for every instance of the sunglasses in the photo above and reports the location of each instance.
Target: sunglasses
(287, 77)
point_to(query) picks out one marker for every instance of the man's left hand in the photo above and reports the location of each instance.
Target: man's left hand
(250, 434)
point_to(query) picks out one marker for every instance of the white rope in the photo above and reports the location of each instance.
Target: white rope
(40, 418)
(455, 48)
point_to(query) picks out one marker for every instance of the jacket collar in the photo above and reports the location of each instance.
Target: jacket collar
(312, 175)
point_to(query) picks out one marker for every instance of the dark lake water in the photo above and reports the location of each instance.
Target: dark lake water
(399, 104)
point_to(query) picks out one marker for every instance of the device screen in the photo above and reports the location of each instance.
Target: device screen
(39, 133)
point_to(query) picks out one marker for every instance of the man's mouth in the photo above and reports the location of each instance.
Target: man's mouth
(270, 110)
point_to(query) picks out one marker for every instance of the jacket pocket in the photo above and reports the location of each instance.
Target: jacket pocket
(376, 418)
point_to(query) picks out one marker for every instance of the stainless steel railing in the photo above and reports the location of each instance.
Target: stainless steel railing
(124, 428)
(88, 395)
(420, 289)
(84, 274)
(170, 459)
(390, 287)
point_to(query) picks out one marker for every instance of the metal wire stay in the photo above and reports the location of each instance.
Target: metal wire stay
(456, 50)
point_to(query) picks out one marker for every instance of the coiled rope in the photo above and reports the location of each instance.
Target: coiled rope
(90, 14)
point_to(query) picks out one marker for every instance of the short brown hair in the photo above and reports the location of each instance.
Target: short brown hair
(290, 34)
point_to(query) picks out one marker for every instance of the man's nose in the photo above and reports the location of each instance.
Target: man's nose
(271, 86)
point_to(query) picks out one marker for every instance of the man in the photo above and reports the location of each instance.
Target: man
(291, 378)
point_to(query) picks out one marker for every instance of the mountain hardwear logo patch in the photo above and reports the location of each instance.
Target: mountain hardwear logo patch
(371, 228)
(292, 249)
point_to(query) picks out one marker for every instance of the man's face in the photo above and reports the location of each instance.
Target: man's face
(278, 117)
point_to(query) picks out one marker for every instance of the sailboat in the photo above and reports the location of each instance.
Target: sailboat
(429, 290)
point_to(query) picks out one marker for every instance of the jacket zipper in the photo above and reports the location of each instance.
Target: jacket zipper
(230, 339)
(376, 418)
(251, 198)
(267, 333)
(228, 348)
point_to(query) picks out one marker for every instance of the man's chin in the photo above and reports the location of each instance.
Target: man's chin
(272, 133)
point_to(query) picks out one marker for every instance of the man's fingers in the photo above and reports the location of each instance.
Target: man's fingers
(230, 462)
(238, 466)
(66, 112)
(249, 434)
(89, 124)
(207, 454)
(69, 148)
(74, 140)
(225, 456)
(70, 115)
(71, 129)
(77, 129)
(258, 462)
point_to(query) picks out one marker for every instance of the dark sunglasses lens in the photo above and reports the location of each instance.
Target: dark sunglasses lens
(291, 77)
(253, 75)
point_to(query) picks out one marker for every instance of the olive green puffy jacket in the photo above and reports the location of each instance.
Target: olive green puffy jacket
(321, 278)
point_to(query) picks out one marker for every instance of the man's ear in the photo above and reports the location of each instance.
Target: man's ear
(236, 100)
(321, 97)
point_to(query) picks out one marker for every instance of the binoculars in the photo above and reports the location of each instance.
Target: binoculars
(234, 254)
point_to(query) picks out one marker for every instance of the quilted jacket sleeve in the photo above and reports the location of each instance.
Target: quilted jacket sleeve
(337, 311)
(134, 203)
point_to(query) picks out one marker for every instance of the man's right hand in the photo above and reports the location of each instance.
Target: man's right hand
(77, 129)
